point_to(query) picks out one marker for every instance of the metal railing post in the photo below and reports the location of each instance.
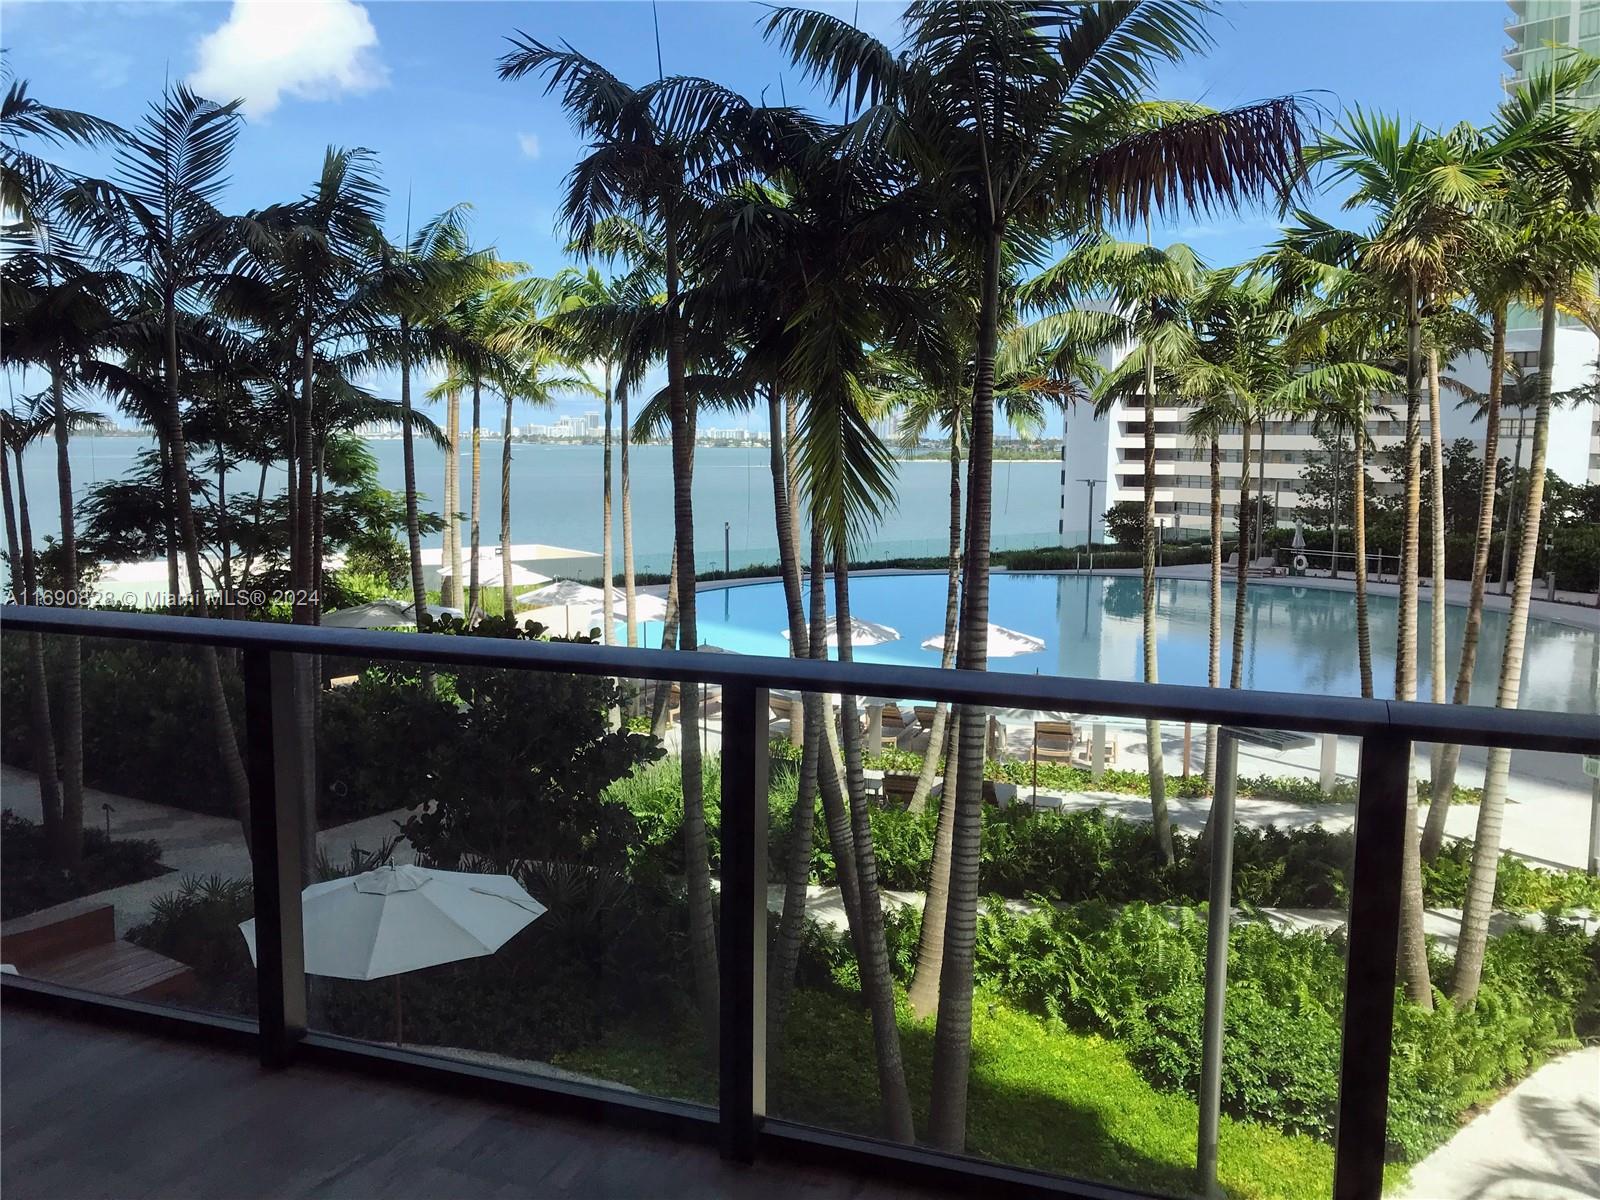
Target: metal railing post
(1382, 809)
(742, 960)
(1219, 919)
(275, 817)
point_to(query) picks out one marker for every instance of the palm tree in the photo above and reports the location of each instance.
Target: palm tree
(1026, 119)
(1422, 190)
(1552, 146)
(15, 435)
(413, 283)
(655, 152)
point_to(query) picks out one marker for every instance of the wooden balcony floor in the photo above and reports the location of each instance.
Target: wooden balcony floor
(88, 1111)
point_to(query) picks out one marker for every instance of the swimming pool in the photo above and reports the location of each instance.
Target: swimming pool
(1298, 639)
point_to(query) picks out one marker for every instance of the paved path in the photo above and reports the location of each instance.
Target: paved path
(191, 843)
(1541, 1141)
(825, 906)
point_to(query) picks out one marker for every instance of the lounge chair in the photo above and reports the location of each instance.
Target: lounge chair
(1263, 567)
(898, 790)
(1053, 742)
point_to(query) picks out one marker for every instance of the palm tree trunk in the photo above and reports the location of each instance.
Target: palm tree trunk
(607, 565)
(44, 744)
(923, 994)
(1241, 576)
(1436, 623)
(1338, 515)
(474, 591)
(1358, 520)
(669, 641)
(797, 873)
(819, 717)
(629, 588)
(1445, 764)
(419, 592)
(508, 598)
(1413, 944)
(1491, 811)
(170, 516)
(952, 1043)
(1153, 755)
(1511, 500)
(702, 922)
(69, 846)
(797, 878)
(782, 509)
(1214, 664)
(305, 514)
(450, 585)
(791, 466)
(947, 657)
(877, 983)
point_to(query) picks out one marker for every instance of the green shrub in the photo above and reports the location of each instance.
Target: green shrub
(1138, 974)
(29, 880)
(199, 925)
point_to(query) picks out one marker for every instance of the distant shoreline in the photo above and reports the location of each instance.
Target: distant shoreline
(934, 454)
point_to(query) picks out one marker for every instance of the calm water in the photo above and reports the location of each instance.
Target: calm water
(1297, 639)
(555, 497)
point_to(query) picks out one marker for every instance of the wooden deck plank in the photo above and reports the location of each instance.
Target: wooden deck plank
(87, 1111)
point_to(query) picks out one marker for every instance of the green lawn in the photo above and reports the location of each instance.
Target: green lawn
(1041, 1096)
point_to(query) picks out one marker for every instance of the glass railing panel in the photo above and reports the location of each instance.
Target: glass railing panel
(499, 873)
(1087, 993)
(1492, 1088)
(126, 869)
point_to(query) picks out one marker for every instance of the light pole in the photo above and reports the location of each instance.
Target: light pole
(1088, 533)
(726, 567)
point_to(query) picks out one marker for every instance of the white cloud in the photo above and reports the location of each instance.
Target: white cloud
(311, 49)
(529, 143)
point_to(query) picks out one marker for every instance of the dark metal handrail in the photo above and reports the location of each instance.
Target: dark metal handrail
(1457, 724)
(272, 730)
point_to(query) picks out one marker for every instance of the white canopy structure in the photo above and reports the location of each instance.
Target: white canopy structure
(1003, 642)
(491, 573)
(862, 633)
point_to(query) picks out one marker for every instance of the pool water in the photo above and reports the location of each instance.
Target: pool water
(1297, 639)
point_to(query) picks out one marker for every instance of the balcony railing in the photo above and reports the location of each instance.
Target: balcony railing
(1386, 729)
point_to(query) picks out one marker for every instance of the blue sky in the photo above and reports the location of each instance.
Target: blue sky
(415, 82)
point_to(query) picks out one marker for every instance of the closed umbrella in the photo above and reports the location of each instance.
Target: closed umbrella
(1003, 642)
(403, 918)
(379, 614)
(862, 633)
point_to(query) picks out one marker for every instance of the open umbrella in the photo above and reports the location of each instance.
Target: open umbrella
(1003, 642)
(862, 633)
(403, 918)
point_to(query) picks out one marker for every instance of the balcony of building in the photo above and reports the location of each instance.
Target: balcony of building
(206, 1032)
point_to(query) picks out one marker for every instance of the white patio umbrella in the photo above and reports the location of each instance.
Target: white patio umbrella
(562, 591)
(862, 633)
(1003, 642)
(403, 918)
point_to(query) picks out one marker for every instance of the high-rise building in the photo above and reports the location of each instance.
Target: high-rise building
(1110, 450)
(1539, 30)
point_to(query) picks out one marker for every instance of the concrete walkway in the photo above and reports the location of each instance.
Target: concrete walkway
(825, 906)
(191, 843)
(1541, 1141)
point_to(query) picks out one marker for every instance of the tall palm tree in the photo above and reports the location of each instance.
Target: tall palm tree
(15, 435)
(655, 153)
(1553, 152)
(1027, 118)
(414, 282)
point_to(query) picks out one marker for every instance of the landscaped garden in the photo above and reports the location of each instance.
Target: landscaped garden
(1088, 971)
